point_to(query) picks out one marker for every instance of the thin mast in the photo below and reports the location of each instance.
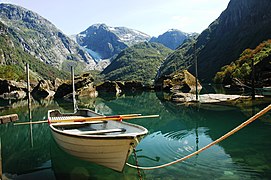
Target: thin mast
(253, 78)
(29, 104)
(196, 72)
(73, 90)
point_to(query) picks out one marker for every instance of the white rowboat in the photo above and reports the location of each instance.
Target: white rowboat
(107, 143)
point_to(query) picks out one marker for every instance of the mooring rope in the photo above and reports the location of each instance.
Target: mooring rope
(250, 120)
(136, 161)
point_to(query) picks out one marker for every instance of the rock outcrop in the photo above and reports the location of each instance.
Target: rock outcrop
(88, 90)
(120, 87)
(83, 84)
(183, 81)
(8, 86)
(44, 89)
(130, 86)
(109, 87)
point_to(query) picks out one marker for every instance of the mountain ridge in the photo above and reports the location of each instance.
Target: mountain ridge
(42, 39)
(243, 24)
(13, 59)
(108, 41)
(173, 38)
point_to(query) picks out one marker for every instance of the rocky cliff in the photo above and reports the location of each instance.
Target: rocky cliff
(13, 58)
(41, 39)
(244, 24)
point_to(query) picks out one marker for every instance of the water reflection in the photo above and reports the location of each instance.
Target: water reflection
(19, 154)
(74, 168)
(179, 131)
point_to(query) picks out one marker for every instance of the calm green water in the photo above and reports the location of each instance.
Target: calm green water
(28, 152)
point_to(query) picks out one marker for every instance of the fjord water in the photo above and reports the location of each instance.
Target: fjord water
(29, 152)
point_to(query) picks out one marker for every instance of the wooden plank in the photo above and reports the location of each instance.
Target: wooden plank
(75, 131)
(78, 123)
(8, 118)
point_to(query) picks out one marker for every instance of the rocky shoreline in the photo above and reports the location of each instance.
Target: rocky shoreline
(180, 85)
(84, 86)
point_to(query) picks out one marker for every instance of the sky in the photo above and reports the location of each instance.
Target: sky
(153, 17)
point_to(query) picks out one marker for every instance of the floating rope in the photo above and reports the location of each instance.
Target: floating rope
(250, 120)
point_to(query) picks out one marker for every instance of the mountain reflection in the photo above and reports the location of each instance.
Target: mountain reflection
(179, 131)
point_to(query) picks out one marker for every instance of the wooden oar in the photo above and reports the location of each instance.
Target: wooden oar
(84, 119)
(76, 119)
(108, 118)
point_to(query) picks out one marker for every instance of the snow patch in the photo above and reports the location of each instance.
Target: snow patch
(82, 35)
(111, 28)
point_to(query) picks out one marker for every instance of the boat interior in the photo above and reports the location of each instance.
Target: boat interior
(93, 127)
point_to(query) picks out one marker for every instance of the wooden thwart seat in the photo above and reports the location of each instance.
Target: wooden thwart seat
(75, 131)
(63, 124)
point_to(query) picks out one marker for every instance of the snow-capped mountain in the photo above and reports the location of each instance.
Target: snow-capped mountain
(129, 36)
(103, 42)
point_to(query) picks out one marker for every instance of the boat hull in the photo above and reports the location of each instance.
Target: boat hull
(107, 143)
(109, 152)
